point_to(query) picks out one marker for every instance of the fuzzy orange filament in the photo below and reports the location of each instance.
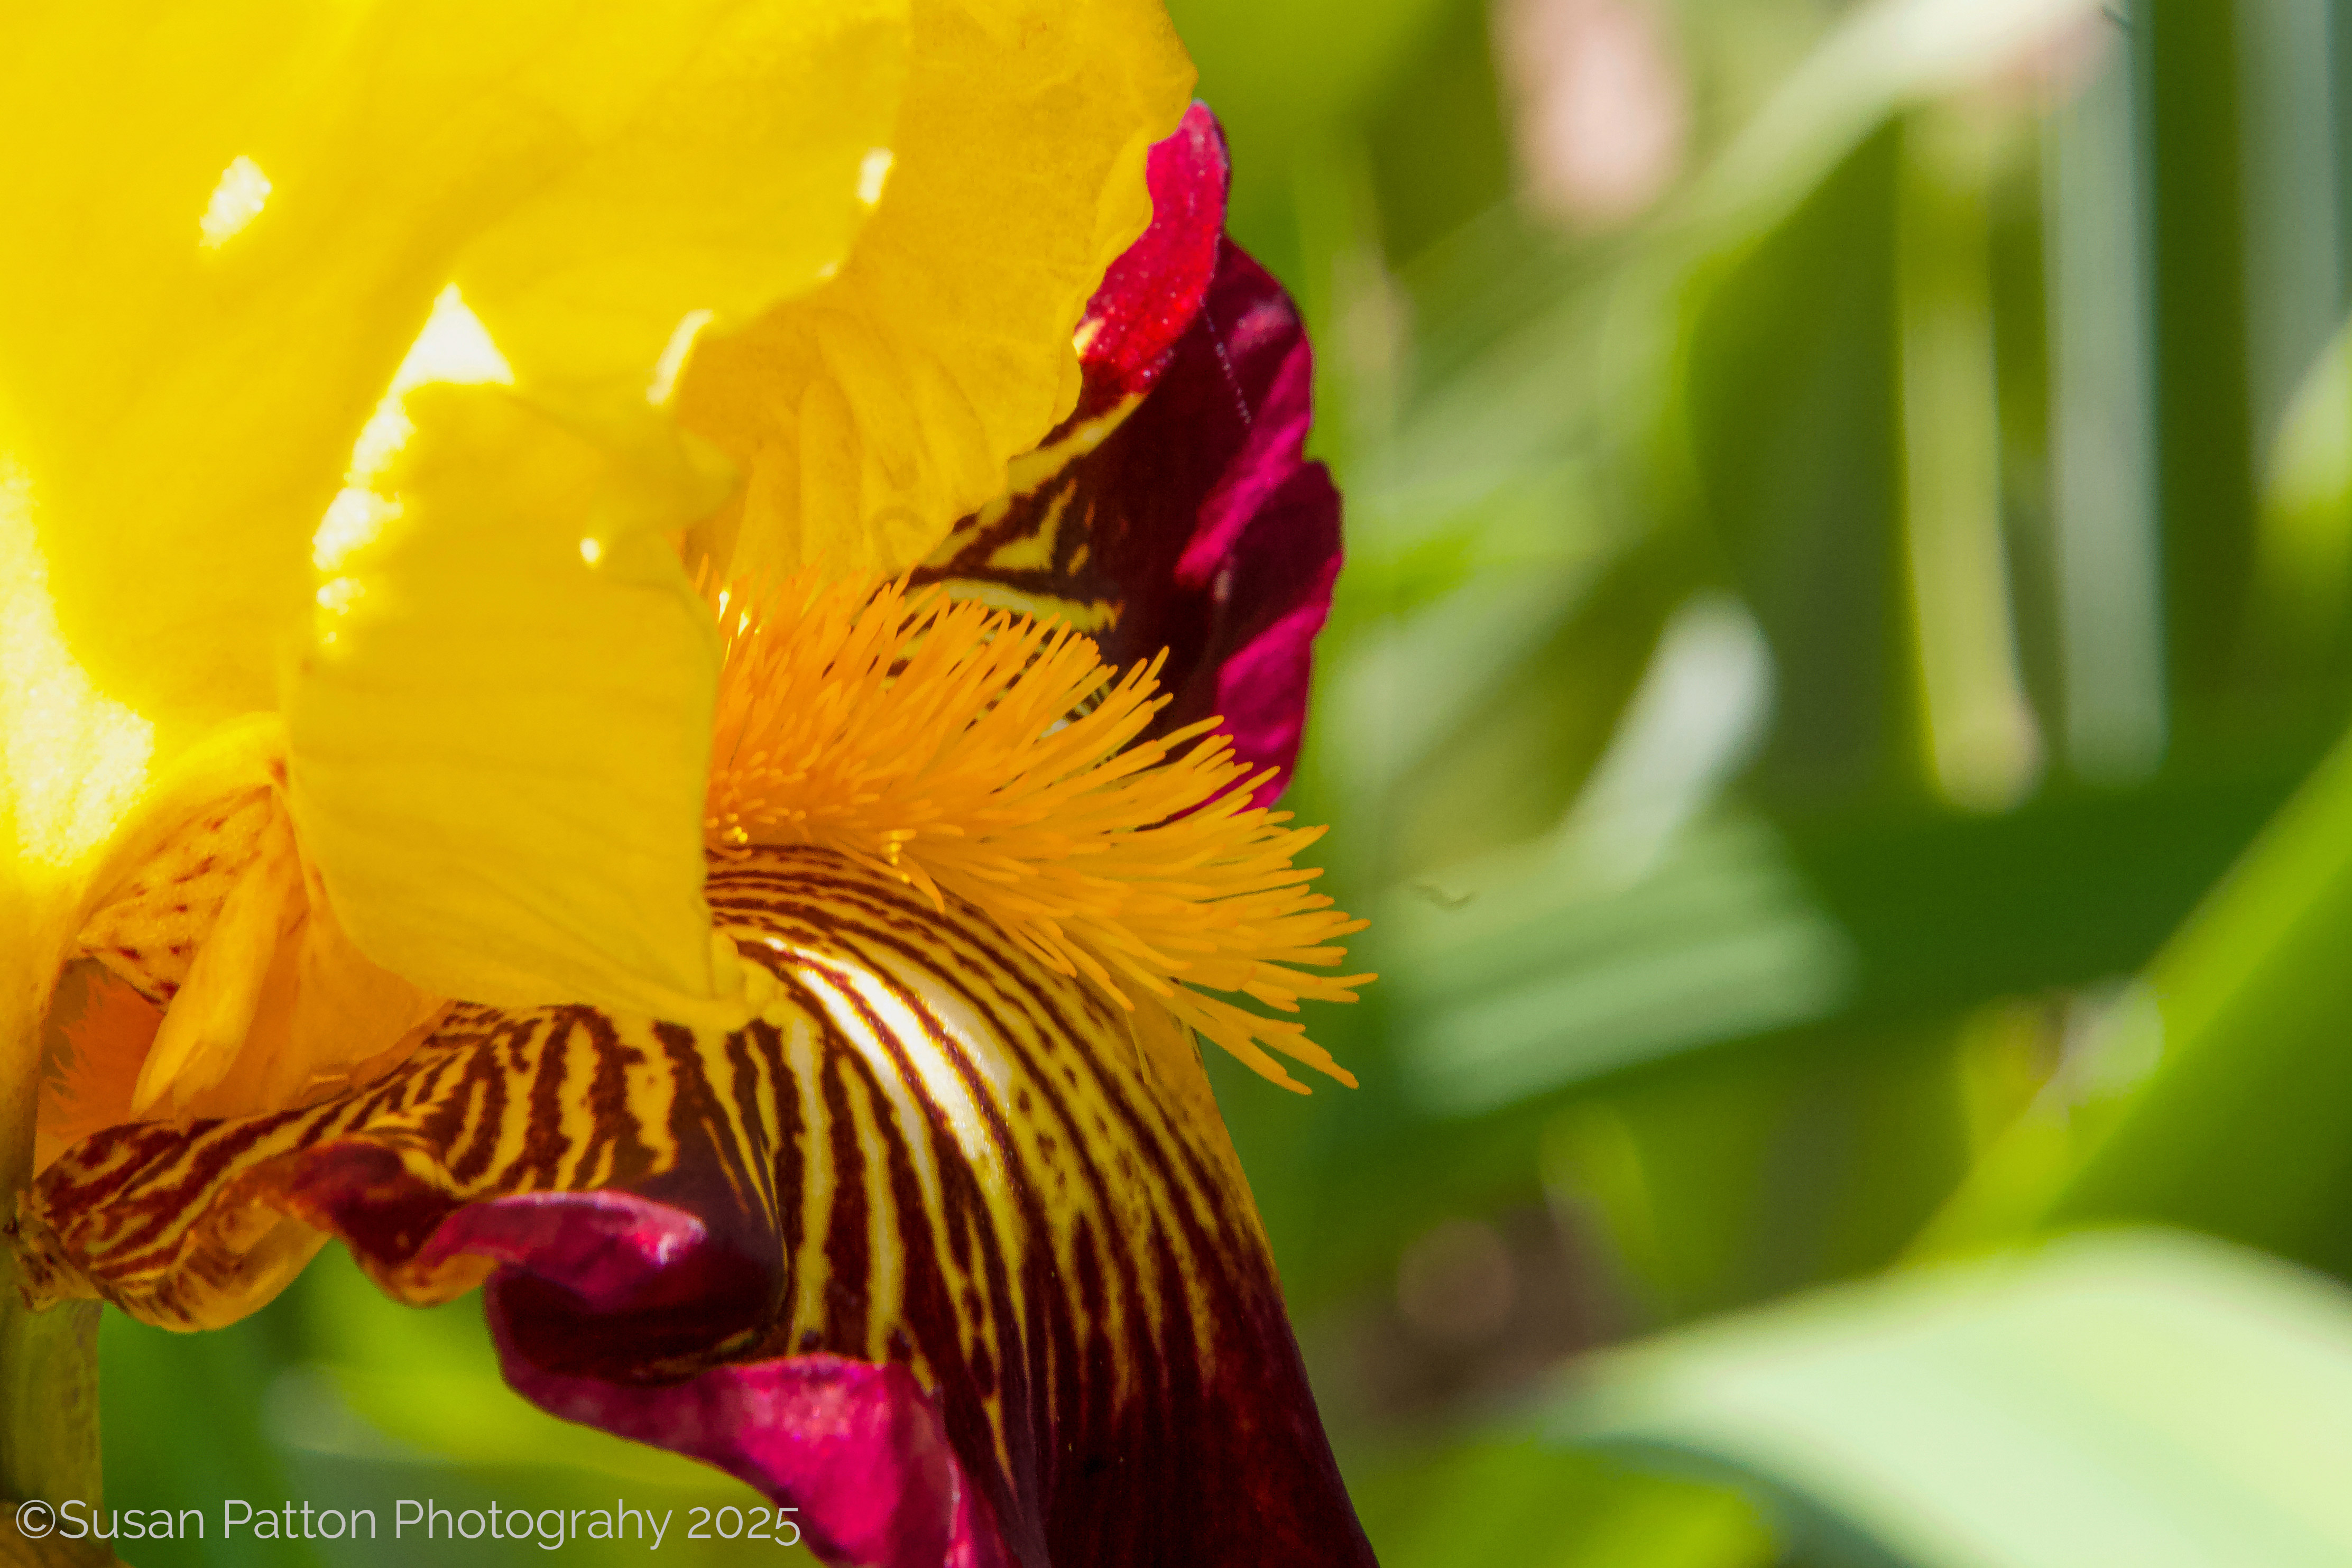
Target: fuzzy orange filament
(991, 757)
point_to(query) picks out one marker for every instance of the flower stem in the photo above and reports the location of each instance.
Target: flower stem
(49, 1361)
(49, 1398)
(48, 1416)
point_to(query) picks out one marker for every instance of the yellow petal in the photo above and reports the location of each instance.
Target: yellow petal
(227, 221)
(166, 403)
(872, 413)
(71, 759)
(227, 936)
(498, 737)
(724, 151)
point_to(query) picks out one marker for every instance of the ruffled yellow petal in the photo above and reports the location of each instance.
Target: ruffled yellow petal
(228, 223)
(872, 413)
(498, 736)
(722, 149)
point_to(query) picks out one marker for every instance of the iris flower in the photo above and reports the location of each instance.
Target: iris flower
(646, 650)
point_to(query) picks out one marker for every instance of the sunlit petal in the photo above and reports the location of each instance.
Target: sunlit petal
(229, 221)
(498, 742)
(874, 413)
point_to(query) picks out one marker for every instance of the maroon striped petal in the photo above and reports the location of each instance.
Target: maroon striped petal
(1175, 514)
(946, 1250)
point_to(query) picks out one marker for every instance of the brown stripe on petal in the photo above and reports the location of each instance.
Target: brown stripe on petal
(932, 1151)
(1173, 515)
(149, 930)
(1046, 546)
(1040, 547)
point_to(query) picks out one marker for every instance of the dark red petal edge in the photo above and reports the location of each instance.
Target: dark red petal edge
(1175, 513)
(1150, 294)
(1240, 608)
(859, 1449)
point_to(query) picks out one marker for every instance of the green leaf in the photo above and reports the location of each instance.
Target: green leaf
(1881, 60)
(1549, 977)
(2141, 1398)
(2228, 1107)
(1482, 1502)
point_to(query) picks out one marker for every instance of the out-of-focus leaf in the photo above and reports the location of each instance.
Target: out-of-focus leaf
(1302, 63)
(1789, 392)
(2102, 657)
(1983, 742)
(1949, 910)
(2145, 1398)
(2243, 1127)
(1495, 777)
(1488, 1503)
(2305, 550)
(1555, 975)
(1544, 965)
(1883, 58)
(1295, 83)
(182, 1425)
(1730, 1178)
(1403, 684)
(2192, 110)
(1441, 148)
(2289, 154)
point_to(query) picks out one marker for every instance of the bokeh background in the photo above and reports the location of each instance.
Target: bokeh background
(1833, 712)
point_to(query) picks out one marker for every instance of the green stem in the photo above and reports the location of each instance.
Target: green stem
(49, 1361)
(48, 1396)
(48, 1420)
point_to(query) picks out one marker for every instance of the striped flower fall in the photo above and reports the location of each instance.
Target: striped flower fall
(723, 807)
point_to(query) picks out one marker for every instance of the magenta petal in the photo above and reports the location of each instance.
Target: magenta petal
(859, 1449)
(1150, 294)
(1273, 596)
(1230, 539)
(1255, 355)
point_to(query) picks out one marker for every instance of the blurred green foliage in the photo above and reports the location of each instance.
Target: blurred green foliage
(1831, 711)
(1814, 649)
